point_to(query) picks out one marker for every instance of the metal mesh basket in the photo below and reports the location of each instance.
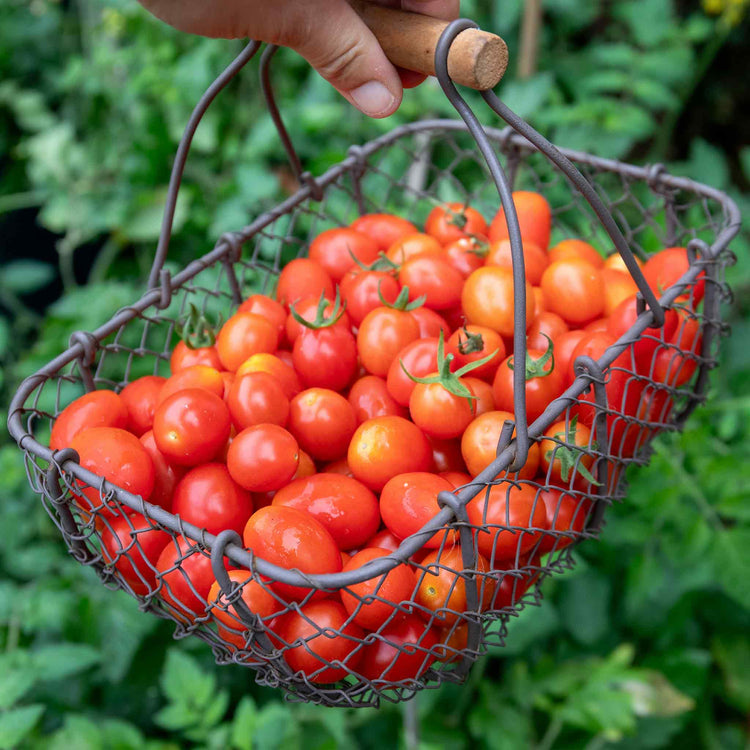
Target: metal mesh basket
(494, 565)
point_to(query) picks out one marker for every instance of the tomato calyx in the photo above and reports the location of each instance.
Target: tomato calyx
(402, 301)
(381, 263)
(567, 456)
(479, 246)
(471, 344)
(535, 367)
(321, 320)
(451, 381)
(196, 330)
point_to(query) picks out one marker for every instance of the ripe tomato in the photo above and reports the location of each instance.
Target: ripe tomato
(408, 501)
(133, 546)
(374, 600)
(471, 343)
(119, 457)
(316, 311)
(411, 245)
(209, 498)
(479, 444)
(566, 516)
(440, 413)
(263, 457)
(564, 461)
(482, 390)
(487, 300)
(402, 651)
(616, 263)
(453, 221)
(618, 286)
(446, 455)
(302, 278)
(576, 249)
(362, 292)
(432, 277)
(385, 446)
(279, 370)
(312, 648)
(191, 427)
(140, 398)
(384, 229)
(166, 475)
(546, 324)
(243, 335)
(183, 356)
(323, 422)
(466, 254)
(666, 268)
(347, 508)
(503, 516)
(430, 322)
(195, 376)
(291, 538)
(442, 588)
(370, 398)
(534, 218)
(565, 345)
(574, 290)
(267, 308)
(675, 364)
(326, 358)
(341, 248)
(385, 540)
(382, 335)
(534, 258)
(95, 409)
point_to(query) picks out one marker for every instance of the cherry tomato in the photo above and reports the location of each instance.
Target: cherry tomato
(267, 308)
(566, 516)
(483, 395)
(534, 218)
(618, 286)
(140, 398)
(194, 376)
(574, 290)
(471, 343)
(279, 370)
(291, 538)
(370, 398)
(183, 356)
(385, 540)
(466, 254)
(535, 260)
(326, 358)
(302, 278)
(446, 455)
(432, 277)
(323, 422)
(243, 335)
(411, 245)
(347, 509)
(384, 229)
(616, 263)
(339, 466)
(563, 456)
(382, 335)
(191, 427)
(565, 345)
(341, 248)
(263, 457)
(166, 475)
(374, 600)
(576, 249)
(675, 363)
(133, 545)
(453, 221)
(430, 322)
(666, 268)
(363, 291)
(385, 446)
(310, 309)
(95, 409)
(438, 412)
(546, 324)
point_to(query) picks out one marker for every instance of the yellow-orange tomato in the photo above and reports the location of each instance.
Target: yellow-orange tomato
(618, 286)
(573, 289)
(568, 249)
(534, 218)
(535, 260)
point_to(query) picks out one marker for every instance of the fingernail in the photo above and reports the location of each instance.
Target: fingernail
(373, 98)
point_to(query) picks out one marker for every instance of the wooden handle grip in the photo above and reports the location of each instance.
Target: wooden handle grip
(477, 59)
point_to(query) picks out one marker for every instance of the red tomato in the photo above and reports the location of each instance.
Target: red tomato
(338, 249)
(563, 456)
(408, 501)
(535, 260)
(339, 466)
(209, 498)
(471, 343)
(385, 446)
(119, 457)
(374, 600)
(267, 308)
(440, 413)
(400, 652)
(279, 370)
(317, 311)
(326, 358)
(95, 409)
(546, 324)
(183, 356)
(482, 390)
(382, 335)
(430, 322)
(140, 398)
(243, 335)
(565, 345)
(370, 398)
(133, 546)
(291, 538)
(618, 286)
(534, 218)
(446, 455)
(432, 277)
(666, 268)
(347, 508)
(487, 299)
(674, 364)
(263, 457)
(456, 478)
(466, 254)
(574, 290)
(191, 427)
(166, 476)
(323, 422)
(302, 278)
(453, 221)
(503, 516)
(195, 376)
(411, 245)
(385, 229)
(566, 516)
(362, 292)
(385, 540)
(576, 249)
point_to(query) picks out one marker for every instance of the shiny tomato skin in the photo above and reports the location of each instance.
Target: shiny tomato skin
(411, 245)
(291, 538)
(501, 515)
(453, 221)
(574, 290)
(555, 457)
(210, 499)
(102, 408)
(133, 546)
(278, 369)
(438, 412)
(566, 517)
(408, 501)
(546, 324)
(326, 358)
(384, 229)
(119, 457)
(675, 364)
(430, 322)
(183, 356)
(382, 335)
(432, 277)
(267, 308)
(388, 590)
(347, 509)
(307, 309)
(483, 395)
(466, 254)
(191, 427)
(194, 376)
(385, 446)
(140, 398)
(565, 345)
(302, 278)
(446, 455)
(534, 218)
(467, 349)
(323, 422)
(370, 398)
(263, 457)
(573, 248)
(362, 291)
(419, 358)
(257, 398)
(166, 475)
(618, 286)
(401, 651)
(535, 260)
(243, 335)
(666, 268)
(342, 248)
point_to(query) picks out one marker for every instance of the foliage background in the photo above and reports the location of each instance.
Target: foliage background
(643, 645)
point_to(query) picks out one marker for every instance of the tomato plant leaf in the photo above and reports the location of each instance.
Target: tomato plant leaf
(17, 723)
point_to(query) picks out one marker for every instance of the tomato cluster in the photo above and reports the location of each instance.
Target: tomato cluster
(324, 421)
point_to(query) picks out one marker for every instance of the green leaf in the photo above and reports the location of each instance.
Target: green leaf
(120, 735)
(654, 94)
(183, 680)
(26, 276)
(492, 713)
(730, 559)
(532, 624)
(526, 97)
(216, 709)
(14, 684)
(650, 21)
(176, 716)
(62, 660)
(653, 695)
(17, 723)
(144, 223)
(584, 605)
(77, 732)
(275, 727)
(243, 723)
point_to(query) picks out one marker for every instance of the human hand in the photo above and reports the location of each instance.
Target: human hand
(327, 33)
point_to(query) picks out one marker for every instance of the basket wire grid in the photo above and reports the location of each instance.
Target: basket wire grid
(406, 171)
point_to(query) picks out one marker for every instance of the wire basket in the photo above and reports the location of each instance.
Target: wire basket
(493, 566)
